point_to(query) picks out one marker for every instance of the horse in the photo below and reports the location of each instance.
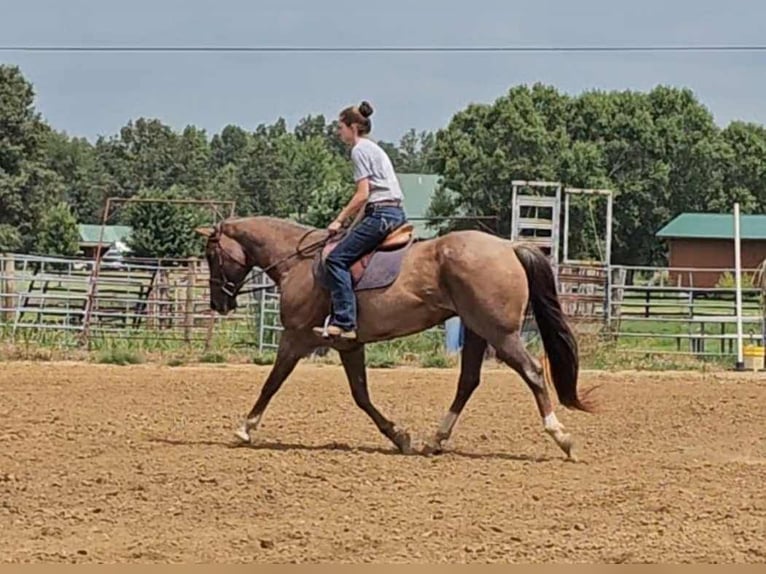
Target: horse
(407, 285)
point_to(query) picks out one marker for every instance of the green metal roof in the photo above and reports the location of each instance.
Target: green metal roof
(714, 226)
(418, 190)
(112, 233)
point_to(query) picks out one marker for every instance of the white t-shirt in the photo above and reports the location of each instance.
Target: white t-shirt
(372, 162)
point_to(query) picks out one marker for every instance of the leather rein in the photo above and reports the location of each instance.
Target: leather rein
(232, 288)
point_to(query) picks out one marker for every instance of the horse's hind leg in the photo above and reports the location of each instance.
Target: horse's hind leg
(512, 352)
(470, 375)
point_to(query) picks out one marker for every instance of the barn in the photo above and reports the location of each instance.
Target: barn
(113, 241)
(706, 241)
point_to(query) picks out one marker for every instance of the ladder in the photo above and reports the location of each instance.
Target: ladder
(536, 214)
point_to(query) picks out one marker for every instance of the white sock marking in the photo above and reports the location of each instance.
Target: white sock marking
(445, 428)
(551, 422)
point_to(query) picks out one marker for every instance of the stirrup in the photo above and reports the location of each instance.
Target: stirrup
(325, 333)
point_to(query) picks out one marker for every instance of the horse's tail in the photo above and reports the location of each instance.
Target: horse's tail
(558, 338)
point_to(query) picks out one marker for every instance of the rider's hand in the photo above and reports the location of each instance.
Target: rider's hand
(334, 227)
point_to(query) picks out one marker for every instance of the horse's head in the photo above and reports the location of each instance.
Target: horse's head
(229, 267)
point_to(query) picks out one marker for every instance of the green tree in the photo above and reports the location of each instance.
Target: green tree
(164, 230)
(229, 147)
(743, 168)
(193, 161)
(415, 153)
(27, 186)
(144, 155)
(10, 240)
(659, 151)
(57, 232)
(85, 182)
(485, 147)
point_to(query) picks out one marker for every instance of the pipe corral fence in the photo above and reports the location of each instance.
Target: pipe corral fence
(647, 311)
(640, 309)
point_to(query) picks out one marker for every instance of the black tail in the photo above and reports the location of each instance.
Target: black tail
(558, 338)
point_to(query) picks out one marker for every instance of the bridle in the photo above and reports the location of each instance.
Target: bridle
(233, 288)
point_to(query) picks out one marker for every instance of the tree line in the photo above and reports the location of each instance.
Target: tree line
(660, 151)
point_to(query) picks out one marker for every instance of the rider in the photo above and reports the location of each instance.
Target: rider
(379, 194)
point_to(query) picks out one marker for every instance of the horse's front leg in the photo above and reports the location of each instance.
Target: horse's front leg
(290, 351)
(353, 364)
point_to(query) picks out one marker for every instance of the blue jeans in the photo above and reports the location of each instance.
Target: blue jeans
(371, 230)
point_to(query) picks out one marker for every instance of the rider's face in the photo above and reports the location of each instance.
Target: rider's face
(346, 133)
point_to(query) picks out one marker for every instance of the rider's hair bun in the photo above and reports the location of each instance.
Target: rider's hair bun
(365, 109)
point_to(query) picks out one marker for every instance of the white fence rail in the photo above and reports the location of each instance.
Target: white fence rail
(653, 309)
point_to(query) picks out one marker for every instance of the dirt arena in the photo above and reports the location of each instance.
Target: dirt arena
(136, 464)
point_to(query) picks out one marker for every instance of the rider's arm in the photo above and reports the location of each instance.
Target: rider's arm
(357, 201)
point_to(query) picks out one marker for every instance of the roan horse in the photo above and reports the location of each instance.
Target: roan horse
(485, 280)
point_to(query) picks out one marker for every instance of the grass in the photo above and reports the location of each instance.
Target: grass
(212, 358)
(119, 356)
(235, 343)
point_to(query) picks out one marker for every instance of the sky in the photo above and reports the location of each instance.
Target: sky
(92, 94)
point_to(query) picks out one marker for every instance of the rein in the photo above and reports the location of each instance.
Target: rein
(232, 289)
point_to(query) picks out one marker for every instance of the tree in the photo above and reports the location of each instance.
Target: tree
(164, 230)
(85, 183)
(415, 153)
(660, 151)
(10, 240)
(144, 155)
(57, 232)
(193, 161)
(743, 168)
(229, 147)
(27, 186)
(484, 148)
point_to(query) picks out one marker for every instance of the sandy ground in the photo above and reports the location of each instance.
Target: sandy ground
(136, 464)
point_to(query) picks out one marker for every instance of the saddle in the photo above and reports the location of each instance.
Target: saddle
(379, 268)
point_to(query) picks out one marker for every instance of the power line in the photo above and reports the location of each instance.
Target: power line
(390, 49)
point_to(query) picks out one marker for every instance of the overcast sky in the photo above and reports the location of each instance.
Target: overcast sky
(90, 94)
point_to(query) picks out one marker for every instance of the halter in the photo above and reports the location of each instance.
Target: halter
(231, 288)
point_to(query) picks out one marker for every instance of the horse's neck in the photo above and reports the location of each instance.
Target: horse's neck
(271, 243)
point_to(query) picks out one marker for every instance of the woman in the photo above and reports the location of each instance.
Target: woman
(379, 194)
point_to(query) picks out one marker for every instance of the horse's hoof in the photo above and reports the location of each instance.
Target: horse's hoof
(566, 443)
(403, 442)
(243, 436)
(432, 448)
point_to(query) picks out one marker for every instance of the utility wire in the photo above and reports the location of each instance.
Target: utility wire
(392, 49)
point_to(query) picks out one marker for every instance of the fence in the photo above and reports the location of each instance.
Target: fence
(152, 300)
(642, 309)
(654, 309)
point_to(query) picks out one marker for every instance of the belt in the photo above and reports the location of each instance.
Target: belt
(383, 203)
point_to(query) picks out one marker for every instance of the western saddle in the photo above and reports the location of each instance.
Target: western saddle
(398, 237)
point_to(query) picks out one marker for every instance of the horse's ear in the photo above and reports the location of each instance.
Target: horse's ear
(205, 231)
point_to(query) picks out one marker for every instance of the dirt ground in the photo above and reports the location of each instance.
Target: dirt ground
(136, 464)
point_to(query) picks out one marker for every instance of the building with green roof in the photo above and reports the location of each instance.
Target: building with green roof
(114, 239)
(418, 189)
(706, 241)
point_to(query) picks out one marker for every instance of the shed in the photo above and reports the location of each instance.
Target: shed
(418, 190)
(114, 240)
(706, 241)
